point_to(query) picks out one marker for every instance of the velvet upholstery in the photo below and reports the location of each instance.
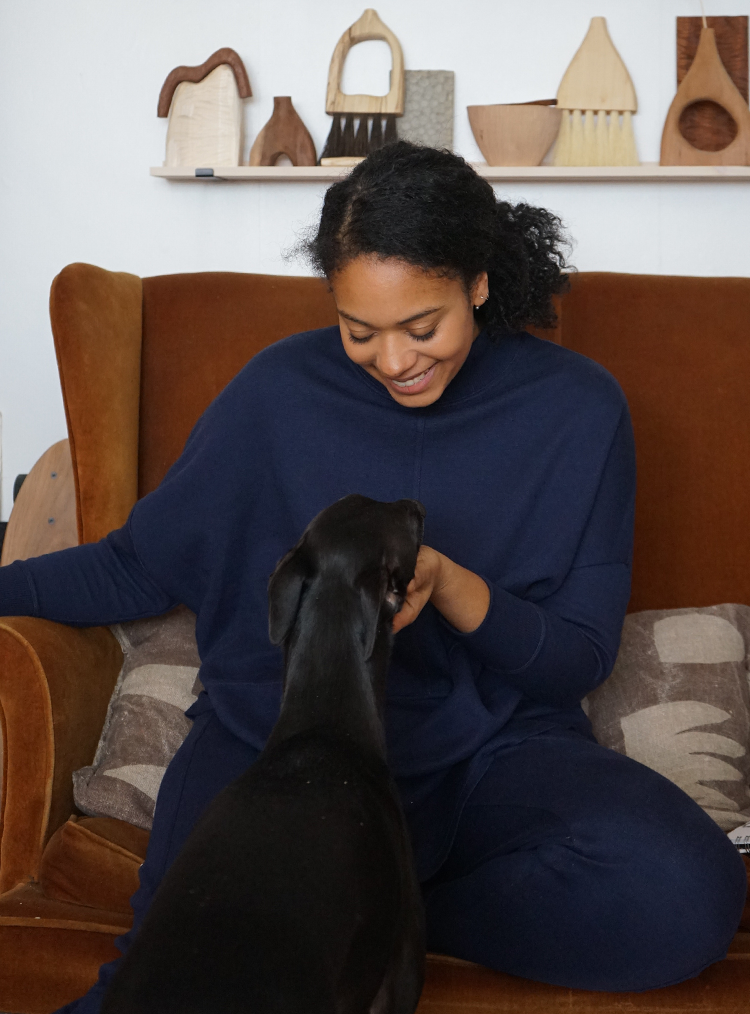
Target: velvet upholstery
(93, 861)
(680, 348)
(136, 375)
(199, 331)
(50, 950)
(55, 684)
(96, 324)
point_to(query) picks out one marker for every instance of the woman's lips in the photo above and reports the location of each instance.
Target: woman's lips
(415, 385)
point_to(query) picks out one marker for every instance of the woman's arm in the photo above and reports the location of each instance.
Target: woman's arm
(98, 583)
(554, 649)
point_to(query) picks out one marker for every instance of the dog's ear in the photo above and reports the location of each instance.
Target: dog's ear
(371, 591)
(284, 594)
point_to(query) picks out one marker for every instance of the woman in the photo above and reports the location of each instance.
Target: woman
(541, 853)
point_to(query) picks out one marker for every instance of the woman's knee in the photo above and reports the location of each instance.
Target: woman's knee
(560, 914)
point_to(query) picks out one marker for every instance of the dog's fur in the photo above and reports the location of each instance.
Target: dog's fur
(296, 893)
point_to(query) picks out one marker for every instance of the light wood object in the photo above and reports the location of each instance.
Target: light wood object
(284, 134)
(510, 135)
(598, 99)
(365, 29)
(647, 172)
(204, 105)
(342, 160)
(707, 80)
(43, 518)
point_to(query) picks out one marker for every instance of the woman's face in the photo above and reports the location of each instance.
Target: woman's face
(409, 328)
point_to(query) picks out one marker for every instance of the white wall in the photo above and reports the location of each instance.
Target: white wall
(79, 81)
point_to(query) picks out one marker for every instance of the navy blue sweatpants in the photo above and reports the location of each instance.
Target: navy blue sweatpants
(571, 865)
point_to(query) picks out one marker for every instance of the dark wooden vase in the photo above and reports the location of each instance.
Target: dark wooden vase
(284, 134)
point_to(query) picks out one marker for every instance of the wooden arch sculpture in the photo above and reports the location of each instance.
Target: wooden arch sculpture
(196, 74)
(204, 105)
(366, 28)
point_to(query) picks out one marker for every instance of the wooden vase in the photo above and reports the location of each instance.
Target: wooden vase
(706, 81)
(284, 134)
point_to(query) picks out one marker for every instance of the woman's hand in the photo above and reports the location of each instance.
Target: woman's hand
(459, 594)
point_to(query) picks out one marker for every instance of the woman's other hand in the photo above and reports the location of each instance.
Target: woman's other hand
(460, 595)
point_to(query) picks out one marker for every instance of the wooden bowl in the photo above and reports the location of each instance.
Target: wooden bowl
(514, 134)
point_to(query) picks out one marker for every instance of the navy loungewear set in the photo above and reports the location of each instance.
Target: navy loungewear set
(542, 854)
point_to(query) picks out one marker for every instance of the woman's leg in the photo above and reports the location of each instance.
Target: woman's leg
(208, 760)
(577, 866)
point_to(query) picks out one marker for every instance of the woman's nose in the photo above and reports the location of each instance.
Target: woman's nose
(394, 356)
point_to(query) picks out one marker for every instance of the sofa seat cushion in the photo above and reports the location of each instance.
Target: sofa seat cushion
(93, 861)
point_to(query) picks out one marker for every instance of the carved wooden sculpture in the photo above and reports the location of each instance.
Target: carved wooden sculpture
(707, 80)
(284, 134)
(596, 90)
(368, 110)
(205, 111)
(705, 124)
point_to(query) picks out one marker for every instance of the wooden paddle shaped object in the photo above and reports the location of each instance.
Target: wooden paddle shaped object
(707, 80)
(596, 90)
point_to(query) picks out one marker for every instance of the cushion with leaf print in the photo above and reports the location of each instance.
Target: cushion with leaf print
(678, 701)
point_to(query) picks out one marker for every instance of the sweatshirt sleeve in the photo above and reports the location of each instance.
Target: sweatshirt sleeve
(98, 583)
(557, 649)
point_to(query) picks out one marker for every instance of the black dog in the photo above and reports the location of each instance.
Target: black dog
(296, 893)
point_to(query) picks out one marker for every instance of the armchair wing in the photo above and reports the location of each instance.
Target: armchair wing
(55, 684)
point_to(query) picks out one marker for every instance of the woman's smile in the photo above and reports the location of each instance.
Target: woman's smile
(415, 385)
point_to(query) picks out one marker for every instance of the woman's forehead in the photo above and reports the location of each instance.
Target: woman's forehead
(374, 291)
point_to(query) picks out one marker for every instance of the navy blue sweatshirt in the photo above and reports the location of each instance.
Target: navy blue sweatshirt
(526, 468)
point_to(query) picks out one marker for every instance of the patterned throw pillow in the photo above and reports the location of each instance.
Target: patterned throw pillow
(678, 700)
(145, 723)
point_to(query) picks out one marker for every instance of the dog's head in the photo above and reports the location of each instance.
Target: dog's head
(359, 544)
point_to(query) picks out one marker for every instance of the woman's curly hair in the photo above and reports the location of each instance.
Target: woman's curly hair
(429, 208)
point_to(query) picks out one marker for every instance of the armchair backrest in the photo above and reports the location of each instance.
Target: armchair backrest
(199, 330)
(140, 361)
(680, 348)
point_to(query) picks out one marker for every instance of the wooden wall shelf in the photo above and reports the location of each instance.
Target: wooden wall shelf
(648, 172)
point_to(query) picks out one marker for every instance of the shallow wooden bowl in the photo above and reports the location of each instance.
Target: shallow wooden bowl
(514, 134)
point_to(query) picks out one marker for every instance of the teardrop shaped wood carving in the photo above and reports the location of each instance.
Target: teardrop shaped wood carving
(707, 80)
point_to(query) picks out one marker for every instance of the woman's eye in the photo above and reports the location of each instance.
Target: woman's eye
(423, 337)
(361, 340)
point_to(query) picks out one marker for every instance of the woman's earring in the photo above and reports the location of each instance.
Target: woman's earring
(484, 300)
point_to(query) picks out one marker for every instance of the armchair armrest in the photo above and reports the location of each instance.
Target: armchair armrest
(55, 684)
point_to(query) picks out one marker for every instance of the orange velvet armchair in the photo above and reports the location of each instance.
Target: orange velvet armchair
(139, 361)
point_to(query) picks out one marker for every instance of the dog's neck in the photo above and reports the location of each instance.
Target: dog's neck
(327, 681)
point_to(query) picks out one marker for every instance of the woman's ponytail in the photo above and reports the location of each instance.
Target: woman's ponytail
(526, 268)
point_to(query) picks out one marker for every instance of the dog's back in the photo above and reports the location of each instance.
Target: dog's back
(295, 893)
(309, 892)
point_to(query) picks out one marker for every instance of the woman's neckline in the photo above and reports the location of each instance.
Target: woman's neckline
(486, 364)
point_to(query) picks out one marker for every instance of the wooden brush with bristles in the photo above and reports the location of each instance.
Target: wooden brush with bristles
(362, 123)
(597, 100)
